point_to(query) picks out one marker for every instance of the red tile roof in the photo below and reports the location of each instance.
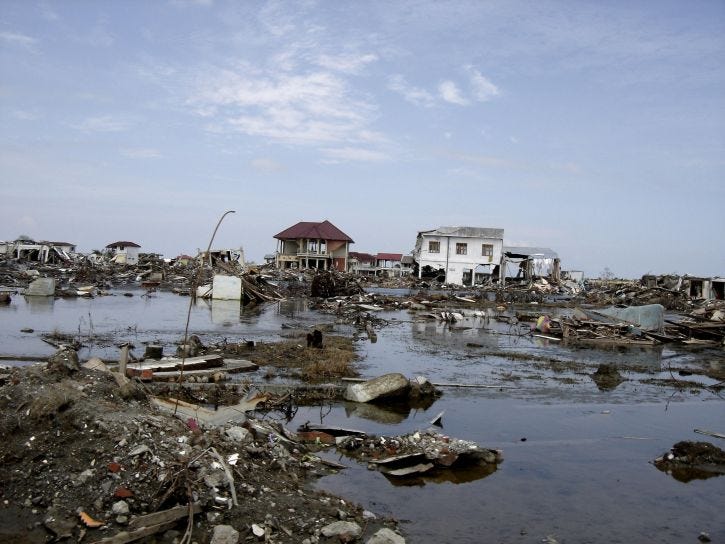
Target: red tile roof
(313, 230)
(389, 256)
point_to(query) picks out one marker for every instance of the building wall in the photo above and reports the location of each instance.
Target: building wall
(458, 263)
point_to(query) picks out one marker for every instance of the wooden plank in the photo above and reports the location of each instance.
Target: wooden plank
(164, 516)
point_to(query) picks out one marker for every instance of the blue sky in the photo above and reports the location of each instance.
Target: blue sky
(593, 128)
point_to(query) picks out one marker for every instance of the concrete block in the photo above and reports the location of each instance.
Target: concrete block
(42, 287)
(226, 288)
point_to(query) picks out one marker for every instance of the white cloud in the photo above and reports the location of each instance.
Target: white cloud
(105, 123)
(22, 40)
(414, 95)
(483, 89)
(355, 154)
(296, 108)
(450, 93)
(141, 153)
(266, 165)
(350, 64)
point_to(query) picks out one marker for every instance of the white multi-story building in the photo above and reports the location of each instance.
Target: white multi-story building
(464, 255)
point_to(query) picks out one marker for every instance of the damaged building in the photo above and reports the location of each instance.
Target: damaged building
(459, 255)
(313, 245)
(25, 249)
(529, 263)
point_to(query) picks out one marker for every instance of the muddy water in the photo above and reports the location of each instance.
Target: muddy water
(577, 459)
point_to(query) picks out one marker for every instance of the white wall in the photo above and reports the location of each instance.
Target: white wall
(457, 263)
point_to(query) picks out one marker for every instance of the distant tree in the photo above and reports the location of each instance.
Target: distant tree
(607, 274)
(23, 237)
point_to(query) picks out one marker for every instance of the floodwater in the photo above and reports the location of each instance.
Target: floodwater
(577, 459)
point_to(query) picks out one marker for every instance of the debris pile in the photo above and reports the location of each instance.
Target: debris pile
(688, 460)
(79, 462)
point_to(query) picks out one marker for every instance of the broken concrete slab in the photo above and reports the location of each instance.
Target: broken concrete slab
(385, 386)
(42, 287)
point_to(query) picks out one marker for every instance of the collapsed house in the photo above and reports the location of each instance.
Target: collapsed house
(531, 263)
(44, 252)
(313, 245)
(694, 287)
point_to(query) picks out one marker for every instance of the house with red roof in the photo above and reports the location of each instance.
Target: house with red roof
(313, 245)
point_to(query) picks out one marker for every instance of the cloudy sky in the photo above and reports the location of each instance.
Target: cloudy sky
(593, 128)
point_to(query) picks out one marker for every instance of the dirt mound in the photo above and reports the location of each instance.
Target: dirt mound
(78, 461)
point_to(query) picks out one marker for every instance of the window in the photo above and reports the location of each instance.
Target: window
(487, 250)
(461, 248)
(311, 246)
(434, 247)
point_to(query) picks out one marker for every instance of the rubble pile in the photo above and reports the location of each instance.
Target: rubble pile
(417, 453)
(689, 460)
(79, 461)
(327, 284)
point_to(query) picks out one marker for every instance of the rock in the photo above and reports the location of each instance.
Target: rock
(258, 530)
(64, 360)
(386, 536)
(340, 528)
(120, 508)
(238, 434)
(224, 534)
(58, 524)
(385, 386)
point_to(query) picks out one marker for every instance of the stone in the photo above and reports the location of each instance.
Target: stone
(385, 536)
(238, 434)
(385, 386)
(120, 508)
(340, 528)
(224, 534)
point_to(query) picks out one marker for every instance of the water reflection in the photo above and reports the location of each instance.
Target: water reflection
(225, 312)
(389, 413)
(456, 475)
(40, 305)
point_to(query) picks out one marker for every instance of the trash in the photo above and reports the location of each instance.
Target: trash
(89, 521)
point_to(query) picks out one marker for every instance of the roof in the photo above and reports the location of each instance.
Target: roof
(125, 244)
(362, 257)
(465, 232)
(389, 256)
(522, 251)
(407, 259)
(308, 229)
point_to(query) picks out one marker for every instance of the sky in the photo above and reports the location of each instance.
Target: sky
(596, 129)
